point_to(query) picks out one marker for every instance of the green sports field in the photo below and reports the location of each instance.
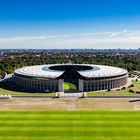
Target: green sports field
(64, 125)
(69, 86)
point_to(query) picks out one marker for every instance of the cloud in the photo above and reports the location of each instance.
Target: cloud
(22, 38)
(114, 34)
(120, 39)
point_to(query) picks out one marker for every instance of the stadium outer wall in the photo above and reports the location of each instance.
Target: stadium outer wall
(35, 83)
(101, 84)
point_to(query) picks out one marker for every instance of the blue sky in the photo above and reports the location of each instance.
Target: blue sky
(70, 24)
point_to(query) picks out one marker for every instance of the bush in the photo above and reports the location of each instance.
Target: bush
(123, 88)
(118, 90)
(132, 91)
(132, 85)
(138, 92)
(109, 90)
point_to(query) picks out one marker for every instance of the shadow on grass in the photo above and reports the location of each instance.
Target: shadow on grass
(9, 86)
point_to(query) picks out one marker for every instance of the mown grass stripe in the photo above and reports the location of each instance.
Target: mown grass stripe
(70, 125)
(96, 133)
(67, 138)
(66, 124)
(65, 129)
(65, 121)
(69, 116)
(70, 112)
(70, 119)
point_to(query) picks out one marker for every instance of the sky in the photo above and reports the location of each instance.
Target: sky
(66, 24)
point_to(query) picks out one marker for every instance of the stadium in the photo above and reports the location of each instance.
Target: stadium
(86, 77)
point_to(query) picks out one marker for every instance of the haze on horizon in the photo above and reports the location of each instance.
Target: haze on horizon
(53, 24)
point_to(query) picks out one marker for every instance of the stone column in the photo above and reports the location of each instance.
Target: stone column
(81, 85)
(60, 83)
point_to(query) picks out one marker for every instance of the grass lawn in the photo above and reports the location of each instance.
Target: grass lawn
(121, 92)
(69, 86)
(65, 125)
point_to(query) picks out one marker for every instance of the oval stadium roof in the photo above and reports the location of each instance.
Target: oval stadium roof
(43, 71)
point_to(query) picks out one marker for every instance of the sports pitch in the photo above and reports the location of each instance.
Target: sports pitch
(69, 86)
(69, 125)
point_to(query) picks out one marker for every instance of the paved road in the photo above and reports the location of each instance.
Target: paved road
(113, 97)
(131, 97)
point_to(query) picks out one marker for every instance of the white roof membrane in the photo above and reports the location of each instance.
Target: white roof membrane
(44, 71)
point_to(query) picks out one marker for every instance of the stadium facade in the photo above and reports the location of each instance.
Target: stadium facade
(86, 77)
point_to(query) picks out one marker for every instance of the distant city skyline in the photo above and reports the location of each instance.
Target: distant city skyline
(53, 24)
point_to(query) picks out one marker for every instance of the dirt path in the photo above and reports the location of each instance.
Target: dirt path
(68, 104)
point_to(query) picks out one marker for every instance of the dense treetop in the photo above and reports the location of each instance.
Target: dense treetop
(130, 61)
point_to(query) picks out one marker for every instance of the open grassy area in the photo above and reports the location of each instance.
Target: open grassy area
(69, 86)
(64, 125)
(121, 92)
